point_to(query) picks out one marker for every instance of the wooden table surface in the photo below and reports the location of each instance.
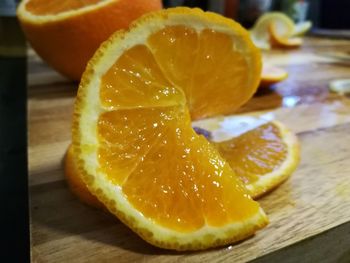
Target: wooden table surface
(311, 204)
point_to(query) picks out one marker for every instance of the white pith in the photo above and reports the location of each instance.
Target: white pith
(38, 19)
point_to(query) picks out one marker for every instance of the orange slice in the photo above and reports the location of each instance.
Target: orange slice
(260, 32)
(66, 33)
(272, 75)
(132, 133)
(281, 41)
(263, 157)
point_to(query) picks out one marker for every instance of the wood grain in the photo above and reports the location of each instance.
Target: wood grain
(315, 200)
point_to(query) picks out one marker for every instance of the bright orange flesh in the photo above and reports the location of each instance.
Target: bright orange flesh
(156, 66)
(255, 153)
(209, 53)
(53, 7)
(146, 138)
(175, 202)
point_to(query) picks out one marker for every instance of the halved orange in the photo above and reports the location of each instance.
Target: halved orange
(132, 133)
(281, 41)
(272, 75)
(263, 157)
(66, 33)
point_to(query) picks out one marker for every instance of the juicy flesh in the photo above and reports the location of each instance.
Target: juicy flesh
(53, 7)
(255, 153)
(147, 145)
(211, 83)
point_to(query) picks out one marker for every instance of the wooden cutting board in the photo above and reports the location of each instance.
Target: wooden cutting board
(309, 213)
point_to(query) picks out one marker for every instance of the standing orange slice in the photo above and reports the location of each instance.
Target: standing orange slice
(132, 133)
(66, 33)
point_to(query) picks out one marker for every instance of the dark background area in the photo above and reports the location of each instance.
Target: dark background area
(326, 14)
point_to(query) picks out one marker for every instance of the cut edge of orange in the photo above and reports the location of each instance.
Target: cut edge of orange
(110, 50)
(268, 182)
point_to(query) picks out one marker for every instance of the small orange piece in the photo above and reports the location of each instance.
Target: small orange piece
(263, 157)
(66, 33)
(132, 134)
(271, 75)
(283, 42)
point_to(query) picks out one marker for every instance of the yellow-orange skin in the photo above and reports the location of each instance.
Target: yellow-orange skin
(68, 44)
(76, 183)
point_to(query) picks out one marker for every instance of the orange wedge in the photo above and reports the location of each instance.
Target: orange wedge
(132, 134)
(272, 75)
(281, 41)
(263, 157)
(66, 33)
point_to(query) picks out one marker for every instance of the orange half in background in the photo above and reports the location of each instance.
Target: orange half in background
(66, 33)
(132, 133)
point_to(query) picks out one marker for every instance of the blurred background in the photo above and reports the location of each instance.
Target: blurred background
(327, 14)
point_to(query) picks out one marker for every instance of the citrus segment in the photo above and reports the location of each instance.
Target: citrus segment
(263, 157)
(140, 82)
(133, 138)
(195, 192)
(127, 135)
